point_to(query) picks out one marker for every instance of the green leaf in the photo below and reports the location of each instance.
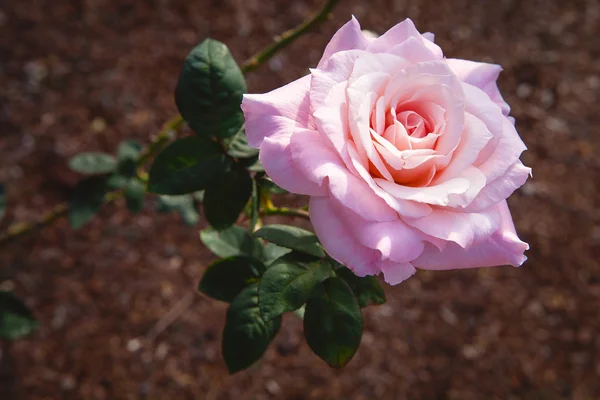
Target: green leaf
(127, 155)
(225, 200)
(368, 290)
(287, 286)
(294, 257)
(210, 89)
(93, 163)
(117, 181)
(16, 320)
(293, 238)
(333, 322)
(184, 205)
(246, 335)
(2, 201)
(233, 241)
(187, 165)
(226, 278)
(273, 252)
(239, 148)
(134, 195)
(129, 150)
(85, 200)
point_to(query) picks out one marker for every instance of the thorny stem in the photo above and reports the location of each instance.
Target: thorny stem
(172, 125)
(288, 37)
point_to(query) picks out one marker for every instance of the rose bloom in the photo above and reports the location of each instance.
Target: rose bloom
(408, 157)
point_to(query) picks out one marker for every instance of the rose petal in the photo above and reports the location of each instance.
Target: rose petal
(481, 75)
(362, 96)
(276, 157)
(395, 273)
(403, 207)
(461, 228)
(501, 248)
(277, 112)
(474, 138)
(312, 156)
(398, 34)
(413, 50)
(501, 188)
(339, 243)
(455, 192)
(348, 37)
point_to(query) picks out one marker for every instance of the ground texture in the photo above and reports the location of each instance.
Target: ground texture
(83, 75)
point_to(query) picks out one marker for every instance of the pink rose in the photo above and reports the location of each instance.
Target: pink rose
(408, 156)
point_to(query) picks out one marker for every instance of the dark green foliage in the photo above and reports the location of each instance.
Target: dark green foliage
(333, 322)
(210, 89)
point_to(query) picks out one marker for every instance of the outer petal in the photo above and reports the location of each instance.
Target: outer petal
(502, 248)
(482, 75)
(464, 229)
(348, 37)
(398, 34)
(395, 273)
(501, 188)
(395, 240)
(277, 112)
(338, 241)
(276, 157)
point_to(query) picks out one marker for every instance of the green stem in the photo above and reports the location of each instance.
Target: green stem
(288, 37)
(172, 125)
(285, 211)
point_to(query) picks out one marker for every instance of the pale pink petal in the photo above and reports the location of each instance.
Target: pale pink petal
(394, 272)
(414, 51)
(403, 207)
(506, 152)
(481, 75)
(336, 70)
(317, 161)
(474, 137)
(463, 229)
(277, 112)
(362, 96)
(429, 36)
(501, 248)
(276, 157)
(456, 192)
(332, 117)
(501, 188)
(430, 82)
(340, 244)
(398, 34)
(395, 240)
(368, 63)
(348, 37)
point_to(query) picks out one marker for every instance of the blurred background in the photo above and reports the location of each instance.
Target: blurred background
(82, 75)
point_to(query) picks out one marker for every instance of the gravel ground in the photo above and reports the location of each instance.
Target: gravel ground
(82, 75)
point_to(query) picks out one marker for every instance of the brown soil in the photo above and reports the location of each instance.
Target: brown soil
(83, 75)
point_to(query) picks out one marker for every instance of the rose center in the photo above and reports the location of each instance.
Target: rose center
(416, 126)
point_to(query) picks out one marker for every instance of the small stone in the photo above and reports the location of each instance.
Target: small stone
(273, 387)
(134, 345)
(524, 90)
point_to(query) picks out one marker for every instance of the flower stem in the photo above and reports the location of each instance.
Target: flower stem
(288, 37)
(172, 125)
(285, 211)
